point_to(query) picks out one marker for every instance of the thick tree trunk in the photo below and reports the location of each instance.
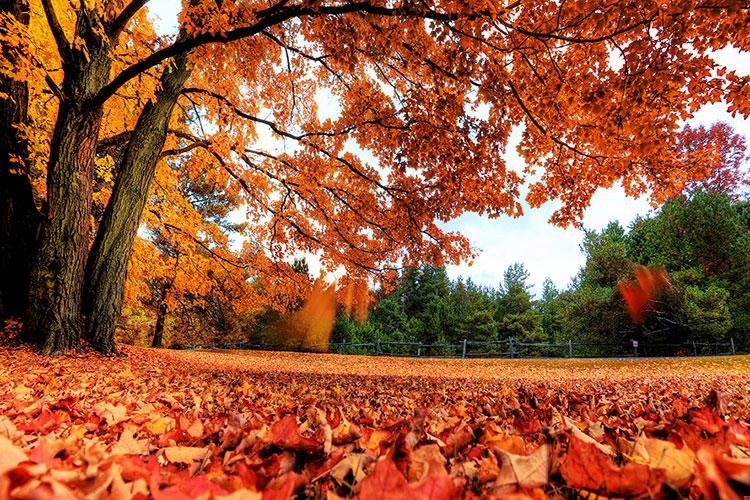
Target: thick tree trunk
(108, 261)
(53, 317)
(19, 217)
(54, 314)
(19, 220)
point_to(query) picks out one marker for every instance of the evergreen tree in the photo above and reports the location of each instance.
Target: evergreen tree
(516, 315)
(549, 309)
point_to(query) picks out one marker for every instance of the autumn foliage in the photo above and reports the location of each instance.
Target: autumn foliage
(649, 284)
(348, 130)
(174, 425)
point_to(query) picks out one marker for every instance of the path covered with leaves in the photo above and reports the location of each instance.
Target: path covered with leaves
(173, 424)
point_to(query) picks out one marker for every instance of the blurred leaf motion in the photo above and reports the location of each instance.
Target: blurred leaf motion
(640, 294)
(309, 328)
(356, 300)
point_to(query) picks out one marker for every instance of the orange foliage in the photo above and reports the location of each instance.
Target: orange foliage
(424, 99)
(356, 300)
(309, 328)
(639, 295)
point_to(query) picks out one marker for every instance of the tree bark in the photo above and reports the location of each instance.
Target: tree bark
(161, 316)
(106, 270)
(53, 317)
(19, 217)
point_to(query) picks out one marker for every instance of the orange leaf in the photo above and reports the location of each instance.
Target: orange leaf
(586, 467)
(285, 434)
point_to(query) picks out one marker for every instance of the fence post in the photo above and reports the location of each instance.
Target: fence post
(731, 341)
(570, 348)
(463, 351)
(419, 351)
(512, 351)
(695, 349)
(377, 347)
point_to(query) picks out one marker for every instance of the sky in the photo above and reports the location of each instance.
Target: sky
(546, 250)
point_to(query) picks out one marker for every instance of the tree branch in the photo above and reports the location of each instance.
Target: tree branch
(124, 17)
(276, 16)
(63, 45)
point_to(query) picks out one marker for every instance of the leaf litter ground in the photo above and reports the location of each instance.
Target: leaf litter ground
(246, 425)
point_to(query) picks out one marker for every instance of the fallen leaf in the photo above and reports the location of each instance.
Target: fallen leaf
(586, 467)
(10, 455)
(184, 454)
(528, 471)
(678, 464)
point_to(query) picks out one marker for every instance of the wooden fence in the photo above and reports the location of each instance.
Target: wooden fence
(506, 348)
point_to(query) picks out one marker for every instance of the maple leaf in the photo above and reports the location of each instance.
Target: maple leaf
(286, 435)
(425, 461)
(586, 467)
(354, 464)
(185, 454)
(526, 471)
(127, 444)
(386, 481)
(678, 464)
(650, 281)
(10, 455)
(713, 482)
(458, 439)
(113, 414)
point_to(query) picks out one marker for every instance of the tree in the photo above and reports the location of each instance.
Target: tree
(425, 292)
(19, 218)
(407, 76)
(723, 153)
(593, 311)
(471, 313)
(194, 285)
(515, 313)
(548, 307)
(701, 238)
(699, 229)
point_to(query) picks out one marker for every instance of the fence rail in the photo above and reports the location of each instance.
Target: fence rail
(506, 348)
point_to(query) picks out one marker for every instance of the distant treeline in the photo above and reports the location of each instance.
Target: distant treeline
(702, 240)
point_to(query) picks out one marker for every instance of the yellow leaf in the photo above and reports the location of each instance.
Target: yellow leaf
(159, 425)
(185, 454)
(195, 430)
(678, 464)
(10, 455)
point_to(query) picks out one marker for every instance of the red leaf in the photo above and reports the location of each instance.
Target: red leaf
(386, 481)
(285, 434)
(586, 467)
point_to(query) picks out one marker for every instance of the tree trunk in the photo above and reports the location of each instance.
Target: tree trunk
(19, 217)
(106, 270)
(53, 317)
(19, 220)
(161, 316)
